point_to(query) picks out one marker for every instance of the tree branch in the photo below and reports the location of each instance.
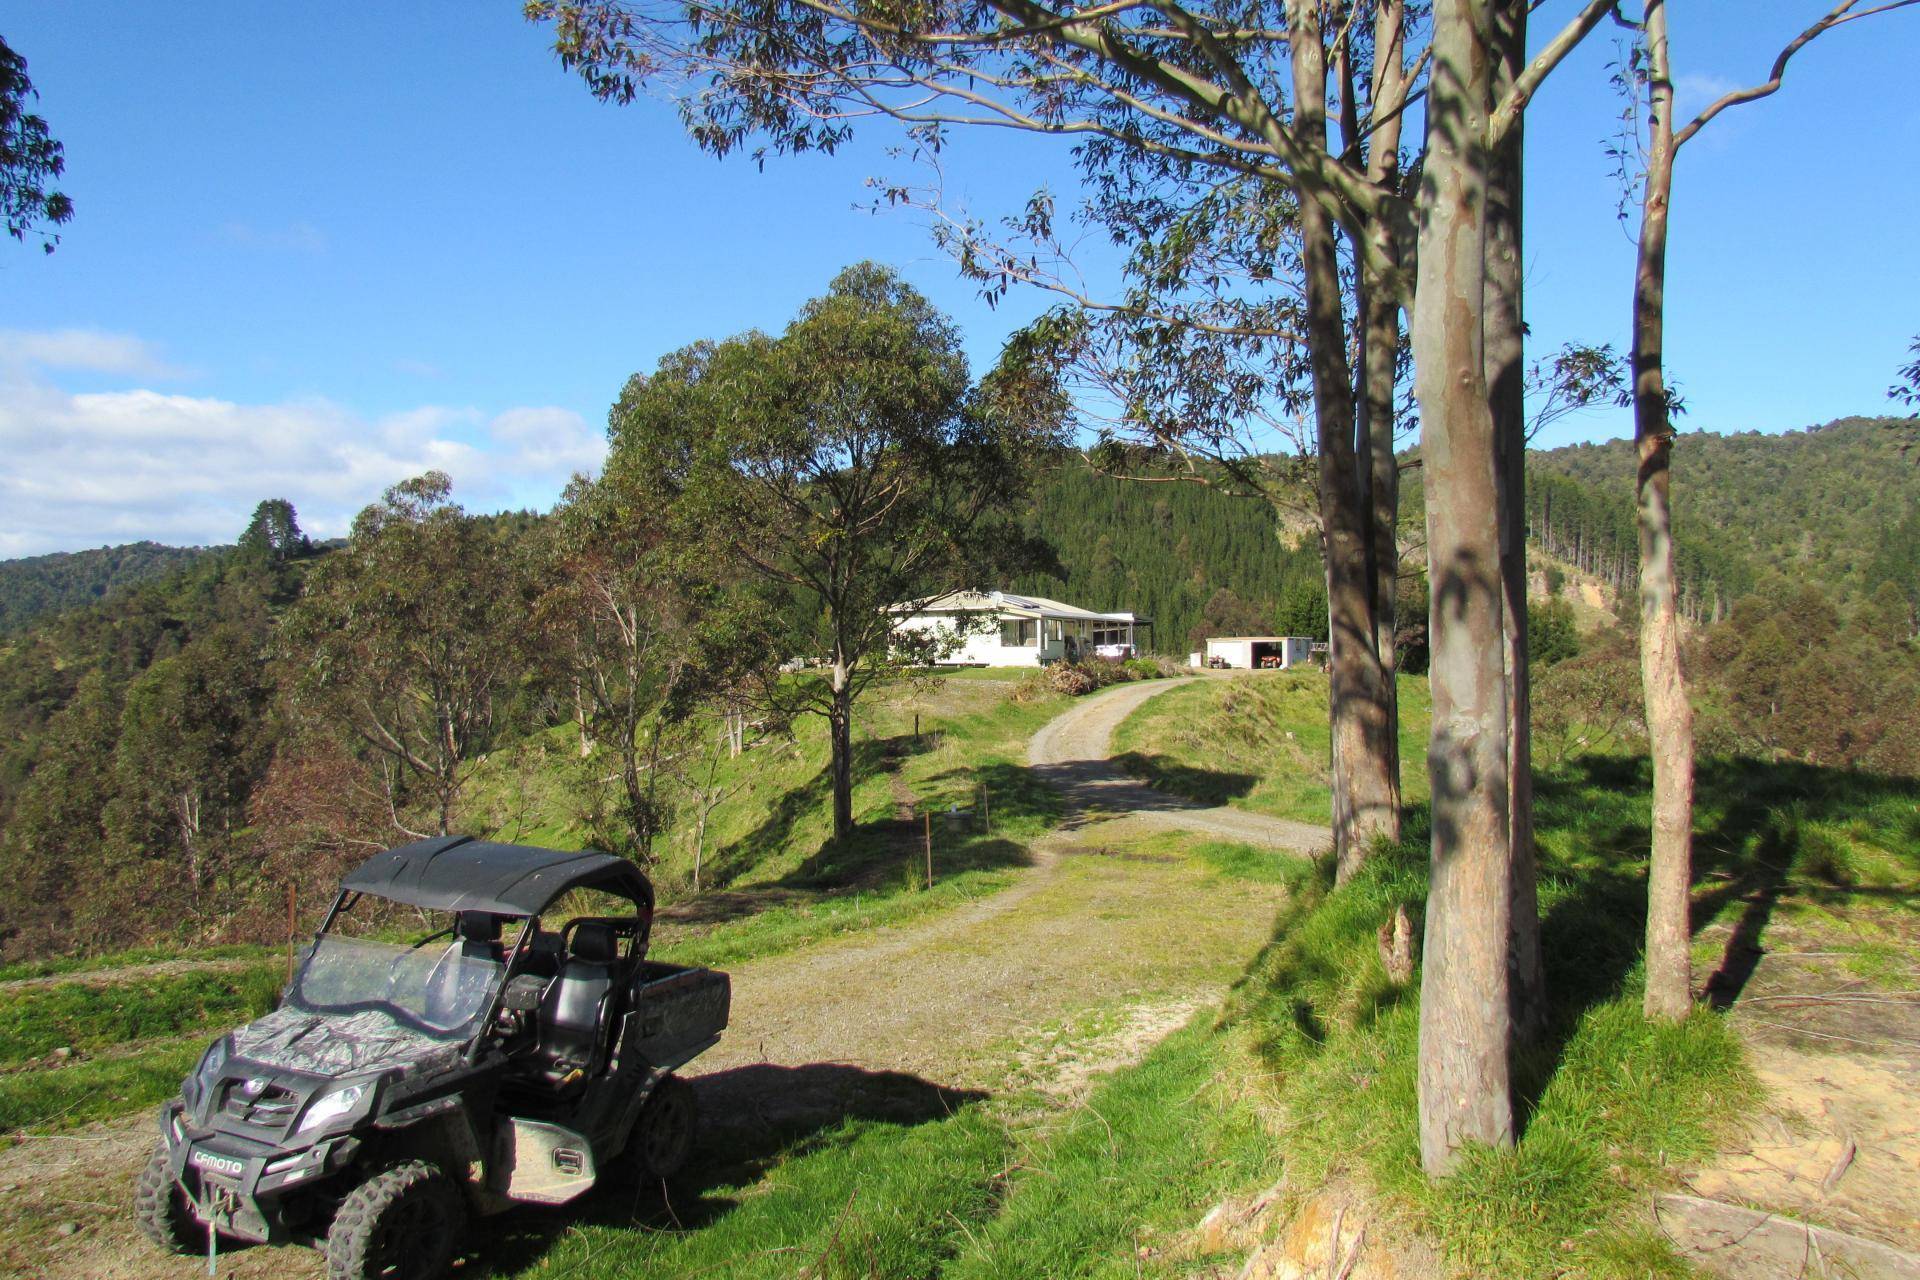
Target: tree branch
(1837, 16)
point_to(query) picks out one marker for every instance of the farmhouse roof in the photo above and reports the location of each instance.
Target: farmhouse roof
(1007, 602)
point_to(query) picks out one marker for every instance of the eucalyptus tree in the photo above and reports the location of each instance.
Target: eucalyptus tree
(1669, 993)
(196, 734)
(30, 159)
(407, 636)
(848, 464)
(1906, 388)
(1244, 92)
(643, 633)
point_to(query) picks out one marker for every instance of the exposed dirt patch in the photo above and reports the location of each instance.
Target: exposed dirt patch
(1838, 1143)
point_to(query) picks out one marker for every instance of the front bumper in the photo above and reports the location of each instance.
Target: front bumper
(252, 1190)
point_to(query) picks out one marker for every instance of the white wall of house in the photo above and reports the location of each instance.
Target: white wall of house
(987, 648)
(1004, 638)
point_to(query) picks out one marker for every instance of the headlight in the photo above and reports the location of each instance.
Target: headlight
(208, 1071)
(331, 1106)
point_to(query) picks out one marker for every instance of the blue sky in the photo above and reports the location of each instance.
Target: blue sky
(317, 251)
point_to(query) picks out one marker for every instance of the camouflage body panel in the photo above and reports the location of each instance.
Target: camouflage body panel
(340, 1044)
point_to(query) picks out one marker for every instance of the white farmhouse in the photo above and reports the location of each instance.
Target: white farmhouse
(1000, 629)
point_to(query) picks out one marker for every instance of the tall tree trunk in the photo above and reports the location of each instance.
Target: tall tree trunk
(840, 731)
(1465, 1012)
(1366, 792)
(1380, 350)
(1669, 715)
(1505, 336)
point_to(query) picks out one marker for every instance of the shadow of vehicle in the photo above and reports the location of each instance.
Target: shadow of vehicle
(751, 1118)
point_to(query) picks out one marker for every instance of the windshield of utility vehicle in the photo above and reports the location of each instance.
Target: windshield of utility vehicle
(441, 986)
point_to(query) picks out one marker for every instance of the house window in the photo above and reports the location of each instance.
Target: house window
(1019, 633)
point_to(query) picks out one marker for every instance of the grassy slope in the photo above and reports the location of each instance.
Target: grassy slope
(1611, 1102)
(769, 844)
(132, 1041)
(1258, 743)
(135, 1039)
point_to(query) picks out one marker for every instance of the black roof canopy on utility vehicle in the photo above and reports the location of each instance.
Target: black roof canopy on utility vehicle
(460, 873)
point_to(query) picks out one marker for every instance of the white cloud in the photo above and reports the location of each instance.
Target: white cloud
(86, 469)
(1694, 93)
(295, 237)
(88, 350)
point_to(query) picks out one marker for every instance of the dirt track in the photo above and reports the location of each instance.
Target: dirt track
(1080, 965)
(1073, 750)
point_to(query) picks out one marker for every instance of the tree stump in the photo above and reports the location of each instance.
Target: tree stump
(1396, 947)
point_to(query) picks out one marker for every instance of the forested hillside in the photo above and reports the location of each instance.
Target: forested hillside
(1166, 550)
(167, 749)
(37, 585)
(1837, 505)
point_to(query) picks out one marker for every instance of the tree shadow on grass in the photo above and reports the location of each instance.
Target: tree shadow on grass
(1596, 809)
(877, 855)
(1205, 786)
(751, 1118)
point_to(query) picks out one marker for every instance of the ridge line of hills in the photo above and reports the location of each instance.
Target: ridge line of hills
(1837, 503)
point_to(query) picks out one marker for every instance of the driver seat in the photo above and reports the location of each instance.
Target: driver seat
(451, 985)
(573, 1010)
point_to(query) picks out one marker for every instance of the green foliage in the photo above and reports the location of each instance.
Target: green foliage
(1165, 550)
(38, 585)
(849, 465)
(409, 636)
(1788, 674)
(30, 159)
(646, 632)
(1745, 505)
(273, 534)
(1551, 634)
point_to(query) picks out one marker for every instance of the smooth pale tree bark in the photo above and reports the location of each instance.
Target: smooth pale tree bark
(1366, 783)
(1465, 1016)
(1505, 337)
(1669, 992)
(1379, 310)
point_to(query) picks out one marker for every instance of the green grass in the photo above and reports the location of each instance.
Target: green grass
(59, 966)
(1258, 743)
(1609, 1101)
(863, 1199)
(90, 1017)
(96, 1089)
(1145, 1156)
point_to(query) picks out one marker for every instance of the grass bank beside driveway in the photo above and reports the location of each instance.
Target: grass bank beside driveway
(1257, 742)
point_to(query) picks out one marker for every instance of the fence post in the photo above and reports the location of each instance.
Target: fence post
(928, 816)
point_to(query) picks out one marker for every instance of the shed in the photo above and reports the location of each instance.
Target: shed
(1253, 653)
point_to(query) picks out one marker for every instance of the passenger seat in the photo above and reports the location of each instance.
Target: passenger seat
(573, 1011)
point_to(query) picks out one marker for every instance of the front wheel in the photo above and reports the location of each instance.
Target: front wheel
(403, 1223)
(663, 1135)
(160, 1207)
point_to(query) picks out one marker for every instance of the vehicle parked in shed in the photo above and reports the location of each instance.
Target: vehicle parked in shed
(399, 1088)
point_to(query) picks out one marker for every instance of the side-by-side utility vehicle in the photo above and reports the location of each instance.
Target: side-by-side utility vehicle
(509, 1058)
